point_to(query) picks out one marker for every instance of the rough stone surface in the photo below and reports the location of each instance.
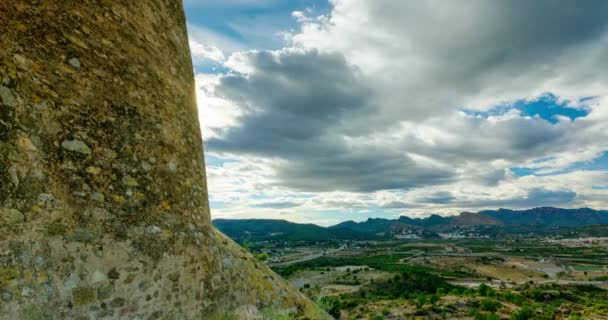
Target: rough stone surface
(74, 62)
(103, 199)
(76, 146)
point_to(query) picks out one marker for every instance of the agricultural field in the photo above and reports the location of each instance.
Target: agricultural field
(451, 279)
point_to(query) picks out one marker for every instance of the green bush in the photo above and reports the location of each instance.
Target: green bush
(262, 256)
(420, 301)
(486, 291)
(412, 283)
(514, 298)
(331, 305)
(525, 313)
(488, 316)
(489, 305)
(492, 316)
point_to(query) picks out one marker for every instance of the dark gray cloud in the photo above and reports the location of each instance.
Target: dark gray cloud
(361, 170)
(474, 37)
(536, 197)
(277, 205)
(440, 197)
(440, 55)
(477, 139)
(399, 205)
(292, 97)
(299, 107)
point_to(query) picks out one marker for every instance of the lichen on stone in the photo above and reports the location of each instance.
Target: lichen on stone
(83, 296)
(76, 146)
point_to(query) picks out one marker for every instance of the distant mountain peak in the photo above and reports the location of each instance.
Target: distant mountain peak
(472, 218)
(497, 221)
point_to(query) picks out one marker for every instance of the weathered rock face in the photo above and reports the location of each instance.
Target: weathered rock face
(103, 202)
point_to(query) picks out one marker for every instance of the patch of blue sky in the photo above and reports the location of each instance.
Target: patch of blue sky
(598, 164)
(212, 160)
(251, 23)
(522, 171)
(262, 196)
(546, 106)
(218, 204)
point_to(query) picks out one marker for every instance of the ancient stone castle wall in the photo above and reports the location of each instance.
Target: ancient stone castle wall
(103, 201)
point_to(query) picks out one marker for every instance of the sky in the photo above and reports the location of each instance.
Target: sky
(323, 111)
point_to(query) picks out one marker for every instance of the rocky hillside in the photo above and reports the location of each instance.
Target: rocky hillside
(474, 219)
(549, 216)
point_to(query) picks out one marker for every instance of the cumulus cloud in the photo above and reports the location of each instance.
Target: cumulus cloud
(434, 56)
(205, 52)
(423, 99)
(300, 106)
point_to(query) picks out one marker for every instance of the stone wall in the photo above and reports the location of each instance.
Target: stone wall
(103, 201)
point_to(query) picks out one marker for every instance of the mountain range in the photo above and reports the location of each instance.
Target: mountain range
(484, 223)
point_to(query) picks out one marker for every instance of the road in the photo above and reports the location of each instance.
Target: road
(309, 257)
(476, 283)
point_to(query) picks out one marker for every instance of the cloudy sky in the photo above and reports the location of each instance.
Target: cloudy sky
(317, 111)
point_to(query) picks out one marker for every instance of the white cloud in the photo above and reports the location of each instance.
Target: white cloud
(205, 52)
(363, 111)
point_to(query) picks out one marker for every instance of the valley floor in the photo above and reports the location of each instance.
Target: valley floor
(515, 278)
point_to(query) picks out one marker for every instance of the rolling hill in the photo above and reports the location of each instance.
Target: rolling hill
(267, 229)
(501, 221)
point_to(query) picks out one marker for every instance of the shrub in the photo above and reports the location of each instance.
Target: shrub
(486, 291)
(420, 301)
(331, 305)
(489, 305)
(275, 314)
(263, 256)
(514, 298)
(492, 316)
(525, 313)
